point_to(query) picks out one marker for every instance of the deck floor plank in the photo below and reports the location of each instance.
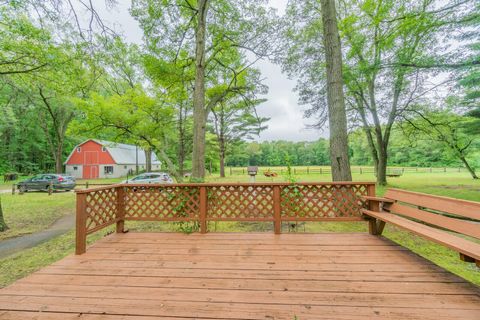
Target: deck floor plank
(140, 276)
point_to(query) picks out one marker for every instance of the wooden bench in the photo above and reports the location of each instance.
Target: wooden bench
(394, 174)
(429, 216)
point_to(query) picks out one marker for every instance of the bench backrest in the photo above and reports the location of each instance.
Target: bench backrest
(443, 212)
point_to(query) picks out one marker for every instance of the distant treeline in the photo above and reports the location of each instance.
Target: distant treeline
(316, 153)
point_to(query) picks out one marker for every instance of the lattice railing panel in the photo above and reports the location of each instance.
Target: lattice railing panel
(162, 203)
(240, 202)
(310, 202)
(100, 208)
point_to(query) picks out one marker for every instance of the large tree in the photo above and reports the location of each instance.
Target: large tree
(337, 117)
(133, 116)
(201, 34)
(386, 46)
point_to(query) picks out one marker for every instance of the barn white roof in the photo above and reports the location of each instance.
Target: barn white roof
(122, 153)
(126, 153)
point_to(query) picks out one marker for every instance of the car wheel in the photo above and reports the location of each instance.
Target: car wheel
(22, 189)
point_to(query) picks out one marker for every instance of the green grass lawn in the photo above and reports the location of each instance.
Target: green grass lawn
(35, 211)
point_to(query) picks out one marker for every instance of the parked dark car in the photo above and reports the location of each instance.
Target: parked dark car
(42, 182)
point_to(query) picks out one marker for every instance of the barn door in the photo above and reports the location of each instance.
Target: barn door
(90, 169)
(90, 172)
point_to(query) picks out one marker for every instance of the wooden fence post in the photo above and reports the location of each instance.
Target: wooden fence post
(86, 185)
(120, 209)
(374, 206)
(81, 232)
(50, 188)
(203, 209)
(277, 199)
(13, 189)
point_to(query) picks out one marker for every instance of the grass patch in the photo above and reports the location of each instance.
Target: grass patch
(34, 211)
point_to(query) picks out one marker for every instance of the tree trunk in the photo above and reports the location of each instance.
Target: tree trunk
(59, 158)
(148, 160)
(222, 157)
(171, 167)
(469, 168)
(3, 225)
(340, 163)
(382, 169)
(199, 112)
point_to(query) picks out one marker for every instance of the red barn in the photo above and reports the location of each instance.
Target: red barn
(103, 159)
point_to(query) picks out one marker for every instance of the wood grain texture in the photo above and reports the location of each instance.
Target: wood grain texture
(140, 276)
(464, 208)
(468, 248)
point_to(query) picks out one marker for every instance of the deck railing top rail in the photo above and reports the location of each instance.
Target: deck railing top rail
(218, 184)
(203, 202)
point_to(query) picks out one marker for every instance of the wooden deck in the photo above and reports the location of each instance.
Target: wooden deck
(241, 276)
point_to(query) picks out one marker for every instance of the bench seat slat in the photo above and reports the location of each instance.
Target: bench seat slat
(465, 227)
(468, 209)
(461, 245)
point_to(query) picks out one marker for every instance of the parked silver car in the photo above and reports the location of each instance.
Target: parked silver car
(151, 177)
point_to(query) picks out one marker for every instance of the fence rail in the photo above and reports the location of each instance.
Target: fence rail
(358, 170)
(264, 202)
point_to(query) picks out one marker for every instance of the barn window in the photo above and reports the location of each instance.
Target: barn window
(75, 168)
(108, 169)
(79, 149)
(104, 149)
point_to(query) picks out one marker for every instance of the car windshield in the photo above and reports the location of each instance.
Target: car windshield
(142, 177)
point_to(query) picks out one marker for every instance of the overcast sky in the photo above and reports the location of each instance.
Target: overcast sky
(287, 122)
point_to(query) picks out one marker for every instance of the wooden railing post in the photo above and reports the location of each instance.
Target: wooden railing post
(81, 228)
(277, 210)
(120, 209)
(374, 206)
(203, 209)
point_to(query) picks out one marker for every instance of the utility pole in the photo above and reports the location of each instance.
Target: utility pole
(136, 159)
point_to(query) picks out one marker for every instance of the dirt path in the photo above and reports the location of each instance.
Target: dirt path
(14, 245)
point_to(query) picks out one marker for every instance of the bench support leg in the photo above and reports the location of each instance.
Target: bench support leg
(380, 227)
(466, 258)
(375, 227)
(372, 226)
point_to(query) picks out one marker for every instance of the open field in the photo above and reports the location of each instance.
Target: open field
(36, 211)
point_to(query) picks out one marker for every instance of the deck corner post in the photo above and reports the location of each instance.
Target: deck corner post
(81, 228)
(277, 216)
(203, 209)
(120, 227)
(373, 206)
